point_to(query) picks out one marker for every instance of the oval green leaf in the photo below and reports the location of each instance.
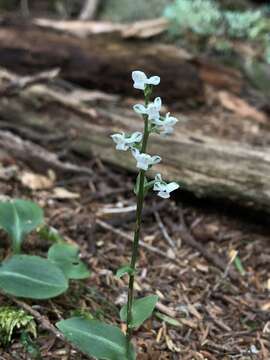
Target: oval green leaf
(32, 277)
(141, 310)
(97, 339)
(66, 256)
(18, 218)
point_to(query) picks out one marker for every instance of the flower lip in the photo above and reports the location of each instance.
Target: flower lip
(163, 188)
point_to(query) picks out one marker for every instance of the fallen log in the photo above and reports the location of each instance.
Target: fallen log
(104, 61)
(207, 167)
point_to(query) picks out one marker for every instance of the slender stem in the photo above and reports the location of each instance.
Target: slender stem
(135, 246)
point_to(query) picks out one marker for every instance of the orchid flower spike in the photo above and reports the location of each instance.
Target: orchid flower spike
(165, 126)
(141, 80)
(163, 188)
(145, 160)
(152, 110)
(124, 141)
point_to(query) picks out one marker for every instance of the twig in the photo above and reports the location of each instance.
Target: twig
(213, 258)
(128, 237)
(164, 230)
(131, 216)
(42, 320)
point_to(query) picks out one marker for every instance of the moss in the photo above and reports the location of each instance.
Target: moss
(11, 319)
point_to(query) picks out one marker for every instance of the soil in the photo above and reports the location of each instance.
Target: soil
(218, 317)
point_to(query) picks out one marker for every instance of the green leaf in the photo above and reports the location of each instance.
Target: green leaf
(169, 320)
(126, 269)
(239, 266)
(96, 339)
(66, 256)
(18, 218)
(141, 310)
(49, 233)
(137, 184)
(32, 277)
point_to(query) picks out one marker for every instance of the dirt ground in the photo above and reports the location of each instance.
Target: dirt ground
(187, 258)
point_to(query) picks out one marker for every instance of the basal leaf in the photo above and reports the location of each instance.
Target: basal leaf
(66, 256)
(141, 310)
(32, 277)
(96, 339)
(18, 218)
(49, 233)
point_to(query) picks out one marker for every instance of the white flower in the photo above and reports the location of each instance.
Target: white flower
(140, 80)
(152, 110)
(163, 188)
(165, 126)
(145, 160)
(124, 142)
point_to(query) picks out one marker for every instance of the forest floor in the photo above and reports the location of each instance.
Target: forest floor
(218, 312)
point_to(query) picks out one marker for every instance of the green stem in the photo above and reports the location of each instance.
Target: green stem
(135, 246)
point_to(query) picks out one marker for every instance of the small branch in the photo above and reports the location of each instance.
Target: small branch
(164, 231)
(42, 320)
(187, 237)
(128, 237)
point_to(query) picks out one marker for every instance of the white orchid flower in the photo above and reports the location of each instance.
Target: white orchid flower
(163, 188)
(140, 80)
(165, 126)
(152, 110)
(124, 141)
(145, 160)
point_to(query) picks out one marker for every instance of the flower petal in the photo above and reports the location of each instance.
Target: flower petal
(136, 137)
(158, 103)
(153, 80)
(140, 109)
(172, 186)
(135, 153)
(158, 177)
(139, 76)
(155, 159)
(139, 79)
(163, 194)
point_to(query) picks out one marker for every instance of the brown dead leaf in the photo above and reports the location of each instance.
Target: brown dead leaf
(240, 107)
(36, 181)
(62, 194)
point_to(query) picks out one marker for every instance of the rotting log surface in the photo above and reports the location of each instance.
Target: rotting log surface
(105, 62)
(205, 166)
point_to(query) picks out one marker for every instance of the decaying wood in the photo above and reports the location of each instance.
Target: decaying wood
(105, 62)
(205, 166)
(35, 155)
(143, 29)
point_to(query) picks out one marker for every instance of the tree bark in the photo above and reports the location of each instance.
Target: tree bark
(207, 167)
